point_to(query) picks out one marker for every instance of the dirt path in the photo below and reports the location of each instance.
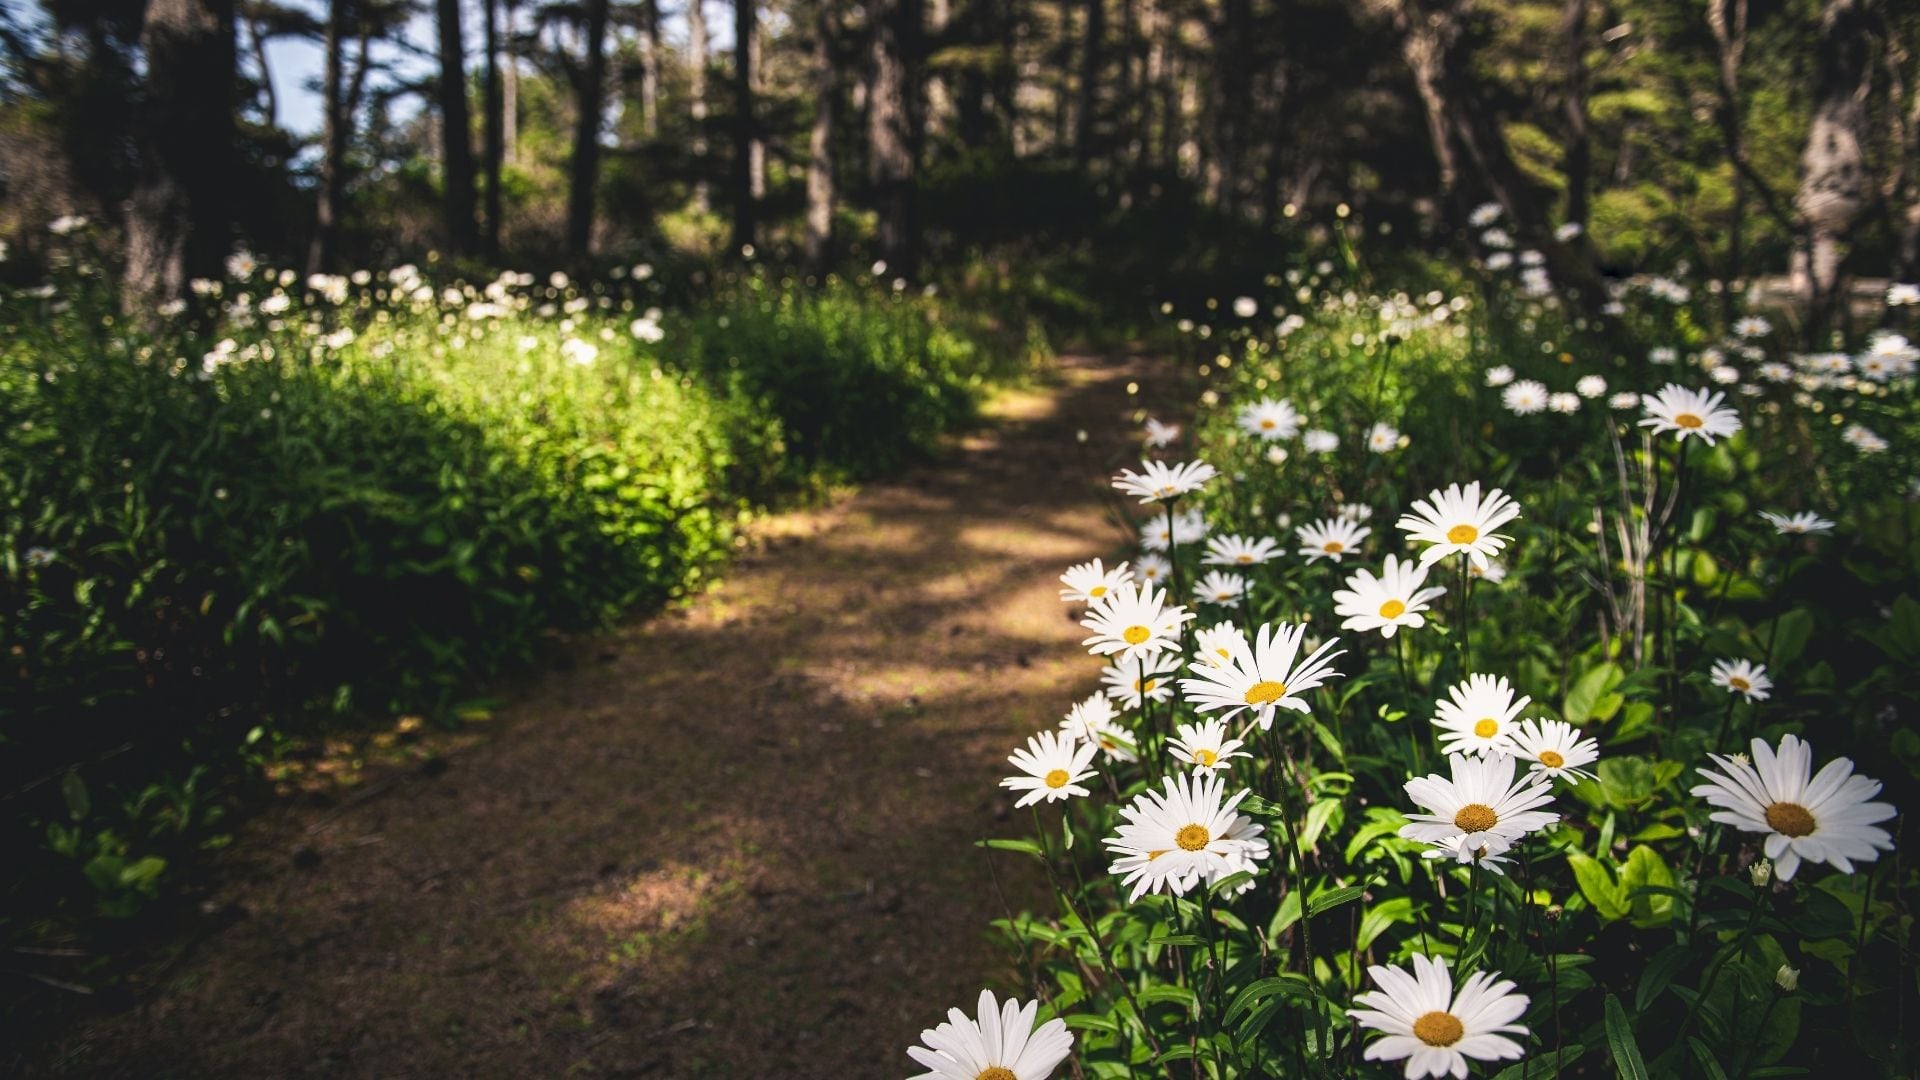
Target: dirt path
(734, 841)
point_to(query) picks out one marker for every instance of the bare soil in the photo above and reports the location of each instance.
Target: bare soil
(733, 840)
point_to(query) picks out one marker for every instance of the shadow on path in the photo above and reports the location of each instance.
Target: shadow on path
(736, 842)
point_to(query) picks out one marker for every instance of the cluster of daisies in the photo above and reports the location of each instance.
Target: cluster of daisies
(1501, 765)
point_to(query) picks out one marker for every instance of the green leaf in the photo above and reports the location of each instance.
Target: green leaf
(1174, 939)
(1025, 847)
(1620, 1040)
(1584, 700)
(74, 790)
(1541, 1064)
(1231, 881)
(1658, 973)
(1333, 899)
(1786, 636)
(1597, 885)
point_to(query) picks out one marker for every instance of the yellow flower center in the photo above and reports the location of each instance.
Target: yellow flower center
(1267, 425)
(1265, 693)
(1392, 609)
(1475, 817)
(1688, 420)
(1462, 534)
(1789, 819)
(1486, 727)
(1205, 757)
(1552, 759)
(1057, 778)
(1192, 837)
(1438, 1029)
(1144, 686)
(1244, 560)
(1333, 547)
(1738, 683)
(997, 1072)
(1134, 635)
(1097, 591)
(1224, 654)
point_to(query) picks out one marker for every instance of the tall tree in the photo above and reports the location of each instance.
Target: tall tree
(493, 126)
(745, 201)
(826, 103)
(650, 50)
(178, 214)
(334, 121)
(589, 112)
(1092, 62)
(1579, 144)
(1833, 168)
(697, 95)
(891, 136)
(456, 132)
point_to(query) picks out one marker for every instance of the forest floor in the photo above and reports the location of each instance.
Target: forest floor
(732, 840)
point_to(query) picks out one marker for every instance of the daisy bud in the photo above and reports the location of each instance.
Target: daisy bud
(1760, 873)
(1787, 978)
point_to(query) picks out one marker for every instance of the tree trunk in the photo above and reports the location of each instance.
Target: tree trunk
(1232, 106)
(1092, 57)
(890, 132)
(510, 87)
(270, 100)
(697, 91)
(494, 139)
(322, 251)
(1833, 168)
(178, 213)
(826, 94)
(456, 132)
(650, 50)
(1579, 148)
(1727, 19)
(744, 203)
(590, 104)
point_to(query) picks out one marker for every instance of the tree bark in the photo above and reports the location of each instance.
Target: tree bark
(1579, 148)
(697, 92)
(493, 150)
(745, 203)
(650, 50)
(589, 108)
(1092, 59)
(322, 250)
(826, 93)
(510, 87)
(178, 214)
(890, 132)
(1833, 168)
(1727, 19)
(456, 133)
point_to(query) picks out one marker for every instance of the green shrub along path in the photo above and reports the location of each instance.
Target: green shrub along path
(736, 839)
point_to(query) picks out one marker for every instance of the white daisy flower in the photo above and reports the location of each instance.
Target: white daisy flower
(1499, 375)
(1220, 587)
(1481, 797)
(1383, 437)
(1625, 399)
(1689, 412)
(1129, 680)
(1187, 527)
(1485, 214)
(1482, 849)
(1264, 676)
(1090, 582)
(1270, 419)
(1478, 716)
(1331, 538)
(1185, 833)
(1388, 602)
(1742, 677)
(1158, 480)
(1459, 520)
(1774, 371)
(1205, 746)
(1320, 441)
(1134, 621)
(1493, 573)
(1354, 511)
(1901, 294)
(1211, 645)
(1051, 768)
(1798, 524)
(1002, 1044)
(1555, 748)
(1240, 550)
(1524, 398)
(1863, 439)
(1160, 436)
(1663, 354)
(1822, 819)
(1590, 386)
(1094, 722)
(1150, 568)
(1752, 326)
(1564, 403)
(1569, 230)
(1434, 1029)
